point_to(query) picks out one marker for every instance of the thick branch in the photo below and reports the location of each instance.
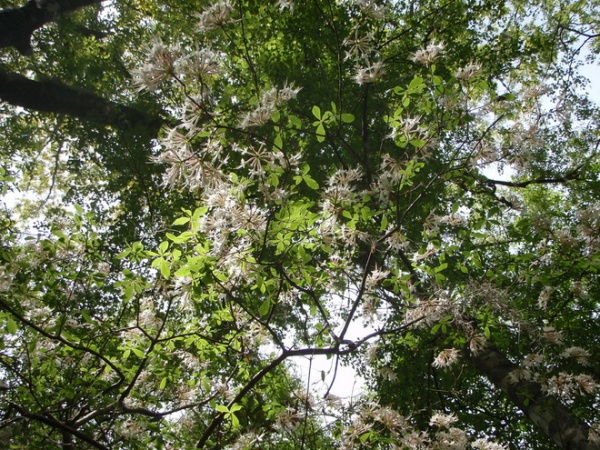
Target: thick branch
(569, 176)
(56, 424)
(17, 25)
(546, 412)
(56, 97)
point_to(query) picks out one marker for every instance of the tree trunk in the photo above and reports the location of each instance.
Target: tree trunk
(55, 97)
(546, 412)
(17, 25)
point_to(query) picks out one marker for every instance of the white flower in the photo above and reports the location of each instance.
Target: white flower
(415, 440)
(257, 117)
(248, 440)
(442, 420)
(372, 9)
(359, 46)
(275, 97)
(446, 358)
(270, 100)
(333, 401)
(410, 125)
(544, 297)
(257, 160)
(215, 17)
(389, 418)
(428, 55)
(453, 439)
(561, 385)
(286, 4)
(429, 311)
(551, 335)
(375, 277)
(159, 66)
(578, 354)
(518, 374)
(371, 354)
(594, 434)
(388, 374)
(585, 383)
(468, 72)
(200, 64)
(369, 74)
(484, 444)
(430, 250)
(477, 343)
(6, 278)
(532, 360)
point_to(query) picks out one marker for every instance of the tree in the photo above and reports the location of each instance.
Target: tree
(312, 164)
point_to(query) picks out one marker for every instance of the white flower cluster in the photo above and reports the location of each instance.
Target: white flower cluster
(429, 54)
(361, 48)
(286, 5)
(6, 277)
(430, 311)
(372, 9)
(369, 74)
(158, 67)
(268, 105)
(442, 420)
(467, 72)
(446, 358)
(565, 385)
(216, 16)
(165, 62)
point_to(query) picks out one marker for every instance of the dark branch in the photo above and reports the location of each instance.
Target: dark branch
(56, 424)
(569, 176)
(55, 97)
(17, 25)
(580, 33)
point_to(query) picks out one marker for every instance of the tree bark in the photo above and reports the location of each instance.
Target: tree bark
(18, 24)
(546, 412)
(56, 97)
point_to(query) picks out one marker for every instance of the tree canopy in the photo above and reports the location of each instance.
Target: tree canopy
(197, 194)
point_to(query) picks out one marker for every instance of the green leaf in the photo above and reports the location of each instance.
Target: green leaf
(165, 268)
(295, 121)
(316, 112)
(278, 142)
(320, 133)
(441, 267)
(347, 118)
(11, 325)
(418, 143)
(265, 307)
(416, 84)
(183, 272)
(181, 221)
(310, 182)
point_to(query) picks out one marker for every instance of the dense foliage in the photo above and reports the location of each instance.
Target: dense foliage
(196, 195)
